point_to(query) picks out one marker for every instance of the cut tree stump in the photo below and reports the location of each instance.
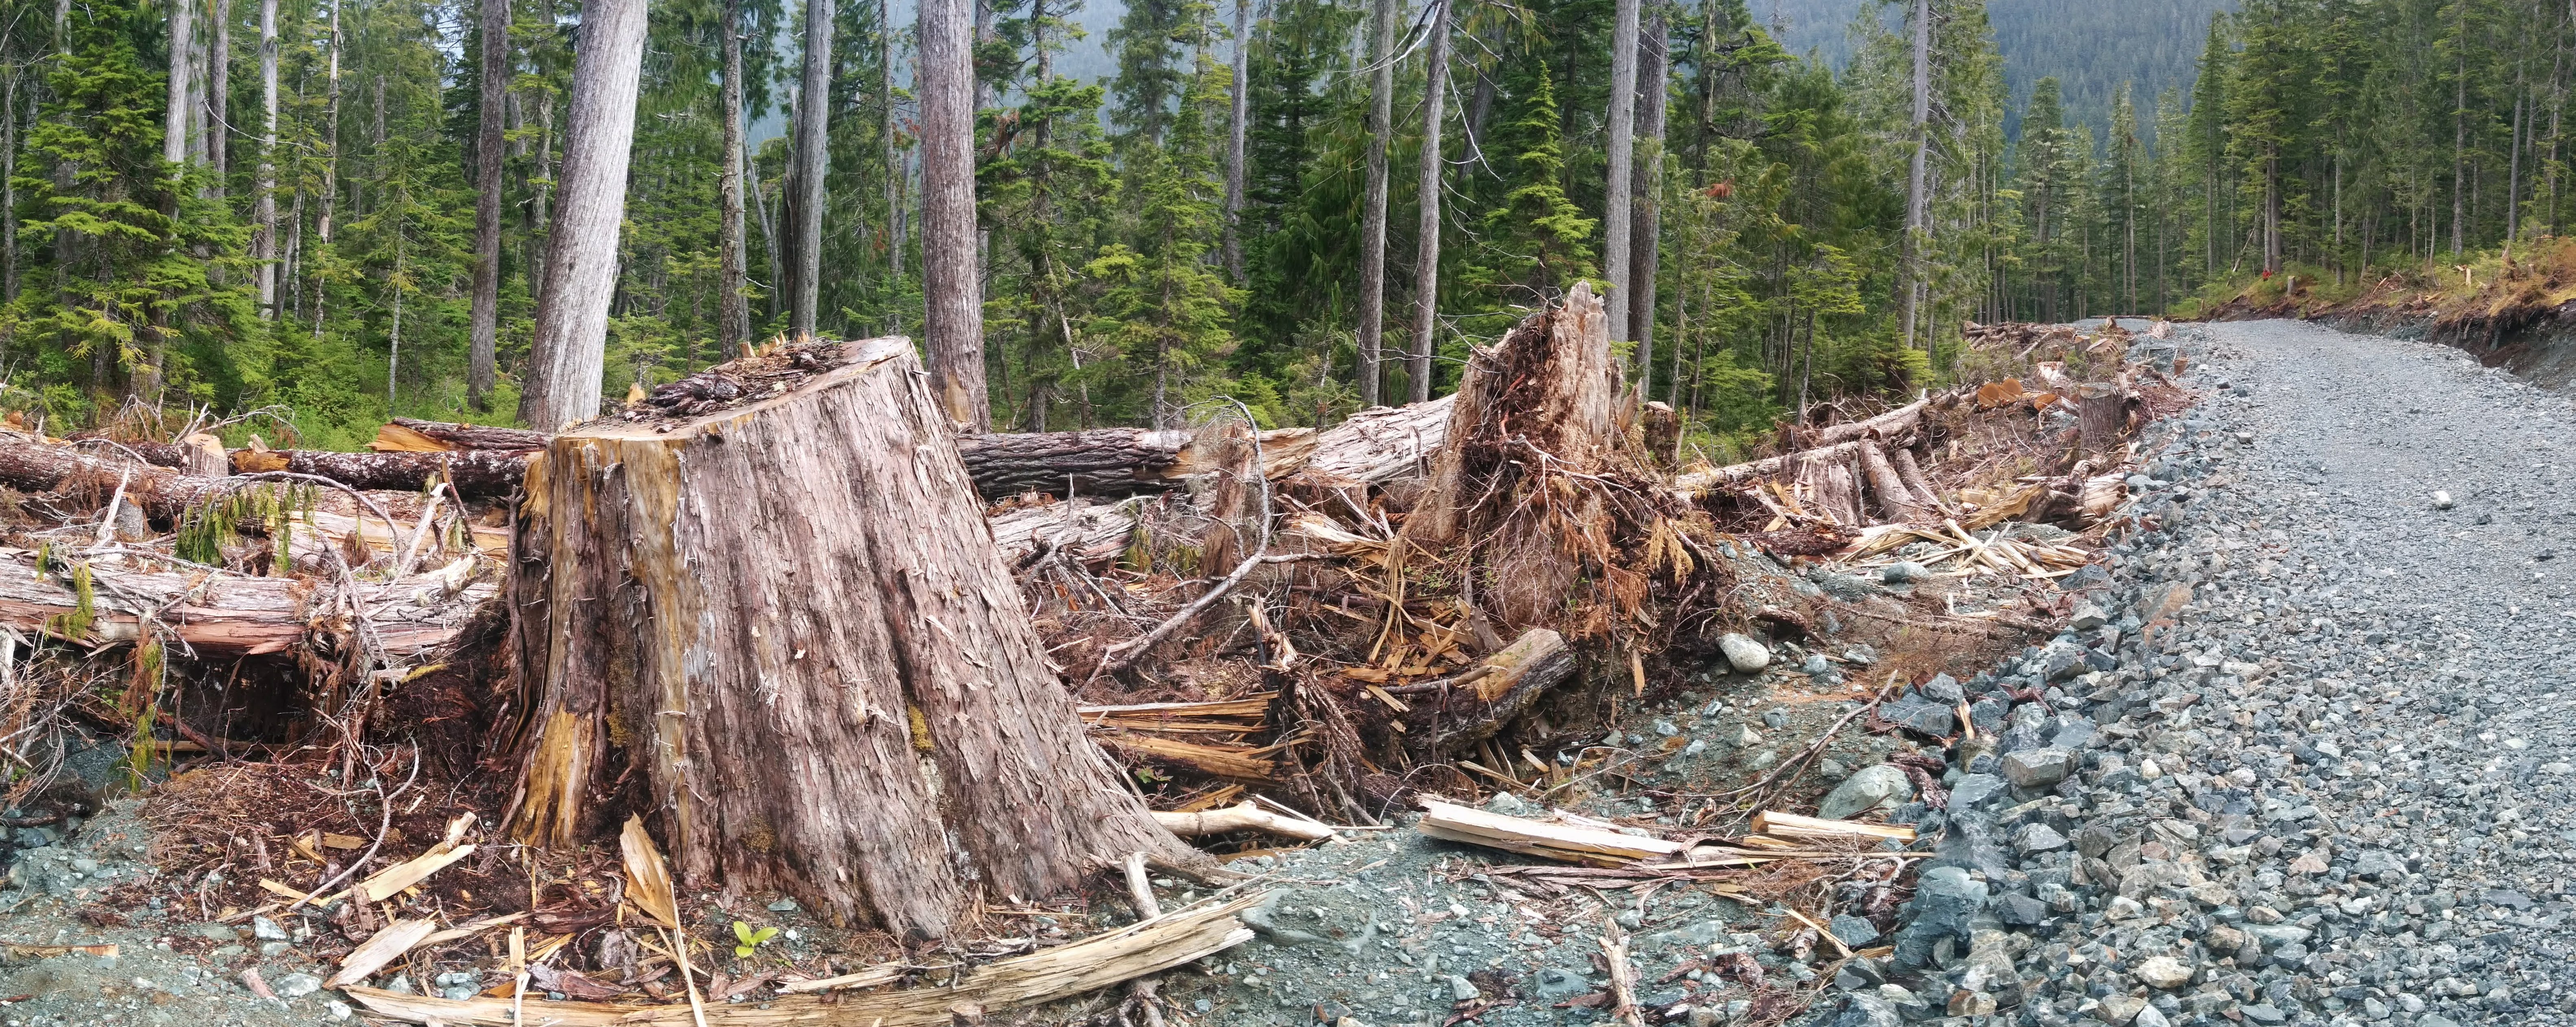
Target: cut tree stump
(782, 633)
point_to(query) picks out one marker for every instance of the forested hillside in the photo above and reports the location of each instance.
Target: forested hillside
(1213, 220)
(2093, 49)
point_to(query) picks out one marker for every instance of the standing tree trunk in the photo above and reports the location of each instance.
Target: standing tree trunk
(1645, 252)
(174, 125)
(1241, 117)
(219, 94)
(264, 201)
(8, 184)
(481, 368)
(894, 166)
(805, 195)
(1426, 260)
(733, 309)
(330, 162)
(564, 364)
(1381, 124)
(953, 311)
(1615, 217)
(905, 690)
(1911, 257)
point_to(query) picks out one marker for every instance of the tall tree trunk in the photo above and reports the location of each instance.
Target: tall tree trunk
(564, 364)
(174, 126)
(482, 372)
(1646, 245)
(1426, 260)
(1911, 257)
(733, 308)
(8, 184)
(2460, 130)
(1381, 123)
(1235, 129)
(1616, 216)
(219, 95)
(768, 234)
(953, 309)
(813, 153)
(939, 757)
(894, 161)
(264, 200)
(330, 191)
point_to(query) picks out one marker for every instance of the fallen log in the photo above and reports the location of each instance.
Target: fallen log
(803, 582)
(1788, 826)
(1105, 462)
(405, 435)
(477, 473)
(1893, 424)
(1499, 689)
(1145, 947)
(1381, 444)
(215, 613)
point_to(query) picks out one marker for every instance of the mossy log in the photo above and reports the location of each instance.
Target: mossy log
(783, 633)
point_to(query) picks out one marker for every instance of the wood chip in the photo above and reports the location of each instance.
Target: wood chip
(383, 947)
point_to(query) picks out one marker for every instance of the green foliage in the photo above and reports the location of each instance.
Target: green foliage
(747, 940)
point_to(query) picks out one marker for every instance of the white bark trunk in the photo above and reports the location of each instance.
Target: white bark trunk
(264, 206)
(1241, 115)
(590, 200)
(174, 126)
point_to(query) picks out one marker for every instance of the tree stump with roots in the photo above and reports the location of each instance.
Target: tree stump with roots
(782, 632)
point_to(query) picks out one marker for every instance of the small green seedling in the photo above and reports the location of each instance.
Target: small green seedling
(750, 939)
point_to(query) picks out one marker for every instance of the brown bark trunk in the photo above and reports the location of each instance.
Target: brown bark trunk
(409, 435)
(1381, 125)
(1896, 500)
(2101, 411)
(477, 473)
(482, 372)
(1831, 491)
(812, 156)
(1426, 240)
(566, 360)
(1100, 462)
(733, 308)
(1542, 403)
(952, 323)
(1502, 688)
(1912, 474)
(804, 586)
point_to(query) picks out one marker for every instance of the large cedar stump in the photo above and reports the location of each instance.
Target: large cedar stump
(782, 632)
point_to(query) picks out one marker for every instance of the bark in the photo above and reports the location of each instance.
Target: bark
(1240, 117)
(1700, 483)
(1381, 124)
(1912, 474)
(174, 124)
(1830, 489)
(1551, 387)
(1896, 500)
(1099, 462)
(219, 95)
(1911, 258)
(565, 363)
(433, 436)
(2101, 412)
(812, 158)
(223, 615)
(264, 203)
(1646, 248)
(482, 372)
(894, 164)
(9, 186)
(1500, 689)
(733, 308)
(953, 316)
(808, 591)
(1426, 261)
(1892, 424)
(1622, 147)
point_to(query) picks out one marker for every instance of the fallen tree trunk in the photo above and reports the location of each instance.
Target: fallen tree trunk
(1892, 424)
(1097, 462)
(803, 585)
(1896, 500)
(217, 614)
(477, 473)
(1498, 690)
(406, 435)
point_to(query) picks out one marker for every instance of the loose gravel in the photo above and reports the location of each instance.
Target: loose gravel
(2327, 779)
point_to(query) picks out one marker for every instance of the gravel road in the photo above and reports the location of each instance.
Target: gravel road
(2330, 782)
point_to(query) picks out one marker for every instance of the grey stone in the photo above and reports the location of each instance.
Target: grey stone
(1945, 690)
(1862, 1009)
(1903, 572)
(266, 929)
(1945, 899)
(1876, 787)
(1853, 930)
(787, 905)
(2038, 768)
(2020, 910)
(1921, 714)
(2262, 1012)
(2164, 972)
(1462, 990)
(295, 985)
(1977, 791)
(2038, 838)
(1555, 982)
(1743, 653)
(1509, 805)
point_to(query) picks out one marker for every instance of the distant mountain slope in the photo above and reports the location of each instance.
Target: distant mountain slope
(2092, 46)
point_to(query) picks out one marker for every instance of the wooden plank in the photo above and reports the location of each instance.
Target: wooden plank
(1793, 826)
